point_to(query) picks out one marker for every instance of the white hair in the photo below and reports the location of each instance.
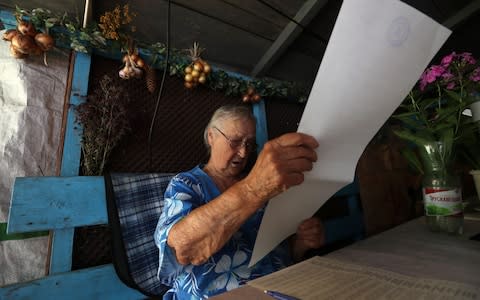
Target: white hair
(228, 112)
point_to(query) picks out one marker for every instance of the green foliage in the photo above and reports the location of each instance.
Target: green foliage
(65, 29)
(69, 32)
(469, 147)
(431, 114)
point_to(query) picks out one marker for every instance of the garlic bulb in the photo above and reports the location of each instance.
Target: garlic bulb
(132, 68)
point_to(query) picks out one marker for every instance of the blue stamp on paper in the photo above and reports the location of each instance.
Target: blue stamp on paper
(398, 31)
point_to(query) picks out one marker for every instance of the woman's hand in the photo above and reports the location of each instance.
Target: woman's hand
(310, 235)
(281, 164)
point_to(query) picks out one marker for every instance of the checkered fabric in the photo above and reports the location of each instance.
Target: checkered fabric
(139, 201)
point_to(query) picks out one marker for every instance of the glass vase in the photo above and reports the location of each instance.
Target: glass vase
(441, 187)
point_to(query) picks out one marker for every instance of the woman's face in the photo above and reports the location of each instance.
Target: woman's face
(231, 143)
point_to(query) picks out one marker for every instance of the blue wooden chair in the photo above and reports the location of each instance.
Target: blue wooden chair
(349, 227)
(61, 204)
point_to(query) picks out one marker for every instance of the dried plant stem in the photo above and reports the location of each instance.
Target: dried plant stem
(104, 120)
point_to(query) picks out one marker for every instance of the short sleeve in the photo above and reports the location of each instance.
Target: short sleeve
(181, 196)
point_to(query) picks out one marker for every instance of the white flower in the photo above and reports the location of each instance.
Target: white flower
(230, 271)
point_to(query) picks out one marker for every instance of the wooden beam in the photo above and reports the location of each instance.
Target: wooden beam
(462, 14)
(305, 14)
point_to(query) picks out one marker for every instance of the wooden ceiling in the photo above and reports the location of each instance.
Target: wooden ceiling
(283, 39)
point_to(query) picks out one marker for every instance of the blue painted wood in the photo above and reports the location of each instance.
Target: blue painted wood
(62, 247)
(8, 19)
(92, 283)
(344, 228)
(43, 203)
(349, 189)
(261, 126)
(351, 226)
(62, 242)
(72, 143)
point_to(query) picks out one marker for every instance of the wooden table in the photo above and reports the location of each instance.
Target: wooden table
(409, 249)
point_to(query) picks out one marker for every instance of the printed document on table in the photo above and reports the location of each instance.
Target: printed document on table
(321, 277)
(377, 51)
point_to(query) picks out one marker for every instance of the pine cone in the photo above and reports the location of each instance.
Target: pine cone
(150, 78)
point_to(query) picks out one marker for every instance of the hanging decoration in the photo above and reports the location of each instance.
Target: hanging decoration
(133, 67)
(116, 26)
(105, 37)
(198, 70)
(251, 96)
(27, 40)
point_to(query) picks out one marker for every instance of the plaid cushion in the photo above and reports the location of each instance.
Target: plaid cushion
(139, 201)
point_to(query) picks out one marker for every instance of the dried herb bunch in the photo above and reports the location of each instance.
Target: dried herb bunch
(113, 22)
(104, 120)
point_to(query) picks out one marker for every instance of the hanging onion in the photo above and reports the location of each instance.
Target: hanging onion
(17, 54)
(26, 28)
(9, 34)
(44, 41)
(23, 43)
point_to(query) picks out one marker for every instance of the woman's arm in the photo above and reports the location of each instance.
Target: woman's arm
(206, 229)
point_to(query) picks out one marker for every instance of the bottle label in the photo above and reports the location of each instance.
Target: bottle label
(442, 202)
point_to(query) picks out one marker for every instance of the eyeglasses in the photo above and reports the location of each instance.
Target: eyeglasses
(237, 144)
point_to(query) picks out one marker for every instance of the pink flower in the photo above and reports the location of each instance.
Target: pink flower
(475, 76)
(447, 75)
(423, 84)
(452, 72)
(430, 75)
(468, 58)
(448, 59)
(436, 71)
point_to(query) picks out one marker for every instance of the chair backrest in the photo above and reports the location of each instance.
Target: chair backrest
(135, 202)
(47, 203)
(60, 204)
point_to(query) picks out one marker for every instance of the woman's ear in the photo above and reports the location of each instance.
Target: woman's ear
(210, 136)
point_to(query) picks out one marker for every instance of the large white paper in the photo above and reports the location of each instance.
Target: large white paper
(377, 51)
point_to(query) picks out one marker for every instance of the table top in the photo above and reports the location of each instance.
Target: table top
(409, 249)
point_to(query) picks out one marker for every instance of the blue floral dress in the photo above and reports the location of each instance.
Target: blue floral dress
(225, 270)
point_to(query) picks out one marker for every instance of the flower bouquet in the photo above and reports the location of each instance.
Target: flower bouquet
(433, 120)
(433, 110)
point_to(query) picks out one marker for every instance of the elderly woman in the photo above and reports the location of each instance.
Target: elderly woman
(212, 213)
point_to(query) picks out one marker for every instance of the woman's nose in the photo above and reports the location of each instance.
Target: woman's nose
(242, 151)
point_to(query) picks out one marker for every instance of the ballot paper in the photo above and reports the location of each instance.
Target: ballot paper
(326, 278)
(376, 53)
